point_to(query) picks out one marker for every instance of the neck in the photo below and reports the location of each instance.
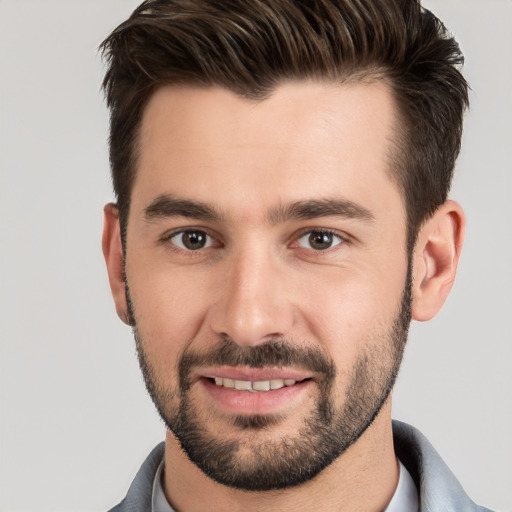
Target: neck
(363, 478)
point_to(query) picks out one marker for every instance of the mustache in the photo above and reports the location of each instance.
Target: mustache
(276, 352)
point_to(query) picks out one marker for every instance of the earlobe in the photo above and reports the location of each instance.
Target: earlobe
(435, 260)
(113, 253)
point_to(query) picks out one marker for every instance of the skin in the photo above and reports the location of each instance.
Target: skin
(259, 279)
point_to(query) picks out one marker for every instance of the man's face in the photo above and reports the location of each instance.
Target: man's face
(267, 274)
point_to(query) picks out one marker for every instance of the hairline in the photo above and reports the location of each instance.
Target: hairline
(396, 158)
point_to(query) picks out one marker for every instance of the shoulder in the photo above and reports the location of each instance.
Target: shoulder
(439, 490)
(138, 498)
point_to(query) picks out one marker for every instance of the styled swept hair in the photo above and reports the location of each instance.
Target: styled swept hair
(251, 46)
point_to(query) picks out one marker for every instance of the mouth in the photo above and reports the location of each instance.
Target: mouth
(249, 391)
(254, 386)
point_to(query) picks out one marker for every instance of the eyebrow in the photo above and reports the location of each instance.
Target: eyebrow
(167, 206)
(312, 209)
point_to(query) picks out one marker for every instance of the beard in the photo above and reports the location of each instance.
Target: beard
(327, 432)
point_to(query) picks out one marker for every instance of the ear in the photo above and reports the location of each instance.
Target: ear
(435, 259)
(113, 253)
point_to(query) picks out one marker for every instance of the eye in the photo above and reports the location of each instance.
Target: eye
(191, 240)
(319, 240)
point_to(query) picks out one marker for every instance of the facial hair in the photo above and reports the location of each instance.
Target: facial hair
(325, 434)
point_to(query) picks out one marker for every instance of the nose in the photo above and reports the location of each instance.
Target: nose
(253, 303)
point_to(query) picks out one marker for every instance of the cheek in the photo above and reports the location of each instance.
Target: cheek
(169, 311)
(351, 311)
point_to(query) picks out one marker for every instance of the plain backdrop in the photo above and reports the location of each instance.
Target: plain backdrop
(75, 420)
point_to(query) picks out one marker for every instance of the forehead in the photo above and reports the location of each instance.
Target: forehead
(305, 139)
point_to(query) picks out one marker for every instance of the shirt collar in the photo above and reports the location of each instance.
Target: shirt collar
(405, 498)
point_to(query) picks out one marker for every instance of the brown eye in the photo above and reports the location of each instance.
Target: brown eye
(192, 240)
(319, 240)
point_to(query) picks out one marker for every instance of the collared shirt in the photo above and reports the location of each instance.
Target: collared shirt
(438, 489)
(159, 502)
(405, 498)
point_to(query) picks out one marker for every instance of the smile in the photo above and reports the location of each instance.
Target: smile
(247, 385)
(249, 391)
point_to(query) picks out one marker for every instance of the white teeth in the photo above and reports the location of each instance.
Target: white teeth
(261, 385)
(243, 385)
(227, 383)
(277, 384)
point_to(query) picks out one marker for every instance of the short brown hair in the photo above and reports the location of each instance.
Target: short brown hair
(250, 46)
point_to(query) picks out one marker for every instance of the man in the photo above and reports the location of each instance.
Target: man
(281, 171)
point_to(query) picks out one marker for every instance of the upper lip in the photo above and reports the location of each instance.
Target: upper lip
(251, 374)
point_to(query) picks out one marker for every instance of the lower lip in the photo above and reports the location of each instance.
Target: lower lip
(249, 403)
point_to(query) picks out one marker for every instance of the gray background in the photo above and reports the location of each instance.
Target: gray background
(75, 419)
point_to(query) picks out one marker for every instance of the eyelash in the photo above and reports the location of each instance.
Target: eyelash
(329, 232)
(168, 240)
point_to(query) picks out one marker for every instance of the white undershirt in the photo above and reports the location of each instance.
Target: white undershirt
(159, 502)
(405, 498)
